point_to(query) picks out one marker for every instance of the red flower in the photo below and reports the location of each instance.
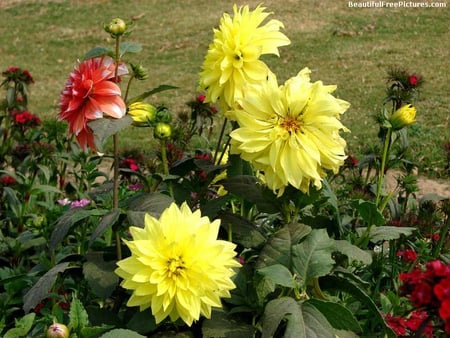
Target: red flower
(421, 295)
(89, 93)
(407, 255)
(131, 164)
(7, 180)
(442, 289)
(413, 79)
(444, 310)
(397, 324)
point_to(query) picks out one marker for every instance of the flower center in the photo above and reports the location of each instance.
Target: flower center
(290, 125)
(175, 266)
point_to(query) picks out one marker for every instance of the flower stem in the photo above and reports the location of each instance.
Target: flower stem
(116, 158)
(219, 141)
(166, 165)
(381, 174)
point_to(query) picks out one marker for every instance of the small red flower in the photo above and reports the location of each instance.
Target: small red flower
(421, 295)
(201, 98)
(407, 255)
(131, 164)
(397, 324)
(444, 310)
(89, 93)
(413, 79)
(7, 180)
(442, 289)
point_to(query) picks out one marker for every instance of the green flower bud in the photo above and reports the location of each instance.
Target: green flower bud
(116, 27)
(163, 115)
(162, 131)
(57, 330)
(402, 117)
(139, 72)
(142, 113)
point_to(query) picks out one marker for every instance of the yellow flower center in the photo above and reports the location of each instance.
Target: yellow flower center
(175, 266)
(290, 125)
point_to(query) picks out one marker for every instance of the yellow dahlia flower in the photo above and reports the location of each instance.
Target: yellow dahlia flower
(290, 132)
(177, 266)
(402, 117)
(232, 60)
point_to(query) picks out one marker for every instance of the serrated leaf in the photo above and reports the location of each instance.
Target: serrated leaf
(387, 233)
(369, 212)
(105, 127)
(22, 327)
(106, 222)
(146, 203)
(248, 188)
(96, 52)
(121, 333)
(66, 221)
(312, 257)
(337, 315)
(146, 94)
(142, 322)
(129, 47)
(244, 232)
(279, 274)
(302, 320)
(222, 325)
(78, 316)
(278, 249)
(40, 290)
(100, 275)
(345, 285)
(353, 252)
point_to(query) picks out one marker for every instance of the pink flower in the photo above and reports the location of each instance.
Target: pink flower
(89, 93)
(79, 204)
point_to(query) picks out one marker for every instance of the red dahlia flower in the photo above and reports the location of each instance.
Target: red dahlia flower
(89, 93)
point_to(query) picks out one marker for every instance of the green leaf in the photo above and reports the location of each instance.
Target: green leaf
(106, 222)
(279, 274)
(312, 257)
(369, 212)
(345, 285)
(66, 221)
(337, 315)
(146, 94)
(96, 52)
(22, 327)
(146, 203)
(78, 316)
(302, 320)
(249, 188)
(100, 275)
(129, 47)
(41, 188)
(142, 322)
(353, 252)
(244, 232)
(40, 290)
(224, 326)
(278, 249)
(386, 233)
(121, 333)
(105, 127)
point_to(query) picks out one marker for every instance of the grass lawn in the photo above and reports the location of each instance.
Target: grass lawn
(350, 47)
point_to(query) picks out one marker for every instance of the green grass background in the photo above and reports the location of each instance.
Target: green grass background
(350, 47)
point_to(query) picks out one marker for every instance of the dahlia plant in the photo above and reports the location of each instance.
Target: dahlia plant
(273, 231)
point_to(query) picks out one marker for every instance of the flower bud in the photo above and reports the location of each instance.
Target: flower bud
(142, 113)
(163, 115)
(139, 72)
(402, 117)
(162, 131)
(57, 330)
(116, 27)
